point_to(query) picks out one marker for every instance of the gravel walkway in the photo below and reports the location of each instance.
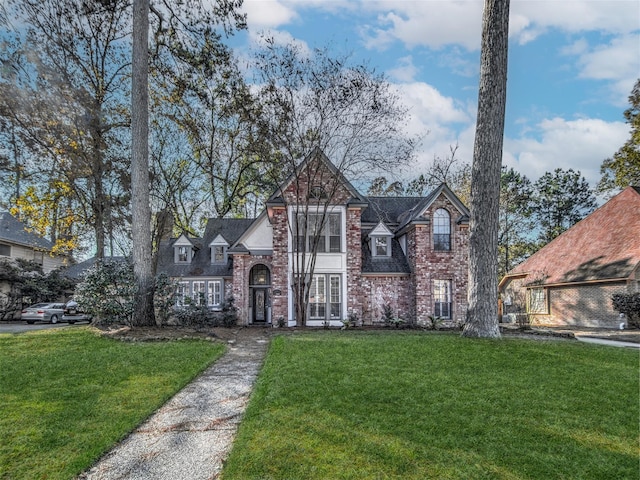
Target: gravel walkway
(191, 435)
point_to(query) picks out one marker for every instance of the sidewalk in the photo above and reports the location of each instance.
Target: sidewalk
(191, 435)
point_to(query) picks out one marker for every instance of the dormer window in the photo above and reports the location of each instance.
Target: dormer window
(219, 248)
(183, 250)
(380, 238)
(183, 254)
(381, 246)
(219, 254)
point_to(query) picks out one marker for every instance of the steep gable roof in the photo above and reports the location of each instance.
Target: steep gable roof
(317, 155)
(603, 246)
(13, 230)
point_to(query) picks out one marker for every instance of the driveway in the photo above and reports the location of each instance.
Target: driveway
(21, 327)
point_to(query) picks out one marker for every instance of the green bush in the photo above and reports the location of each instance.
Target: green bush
(629, 304)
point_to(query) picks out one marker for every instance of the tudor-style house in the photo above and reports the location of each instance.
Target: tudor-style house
(358, 255)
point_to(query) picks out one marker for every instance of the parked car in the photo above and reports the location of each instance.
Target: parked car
(73, 314)
(43, 312)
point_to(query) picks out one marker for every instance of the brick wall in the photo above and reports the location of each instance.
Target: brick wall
(279, 269)
(428, 264)
(575, 305)
(395, 291)
(354, 263)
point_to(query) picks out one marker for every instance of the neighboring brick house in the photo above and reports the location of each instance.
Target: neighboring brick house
(571, 280)
(408, 253)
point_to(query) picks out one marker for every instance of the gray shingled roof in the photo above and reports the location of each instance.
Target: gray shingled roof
(14, 231)
(230, 228)
(396, 263)
(78, 271)
(388, 209)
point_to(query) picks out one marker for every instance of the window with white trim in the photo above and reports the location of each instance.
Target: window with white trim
(183, 254)
(325, 296)
(442, 298)
(198, 292)
(214, 293)
(441, 230)
(219, 254)
(538, 301)
(381, 246)
(182, 294)
(311, 232)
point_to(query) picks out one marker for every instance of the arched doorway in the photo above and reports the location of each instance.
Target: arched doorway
(259, 298)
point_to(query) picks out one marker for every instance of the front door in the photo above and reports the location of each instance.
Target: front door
(260, 302)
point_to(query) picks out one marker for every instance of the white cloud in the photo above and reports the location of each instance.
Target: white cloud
(405, 71)
(579, 144)
(267, 13)
(617, 62)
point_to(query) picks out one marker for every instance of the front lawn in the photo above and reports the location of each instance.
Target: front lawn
(67, 395)
(356, 405)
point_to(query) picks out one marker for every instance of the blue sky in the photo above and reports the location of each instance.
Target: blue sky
(572, 65)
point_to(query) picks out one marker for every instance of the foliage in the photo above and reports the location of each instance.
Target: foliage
(164, 298)
(623, 169)
(28, 284)
(198, 314)
(69, 395)
(514, 236)
(389, 318)
(561, 199)
(107, 292)
(434, 322)
(363, 415)
(629, 304)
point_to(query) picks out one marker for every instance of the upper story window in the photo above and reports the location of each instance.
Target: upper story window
(182, 254)
(5, 250)
(219, 254)
(381, 246)
(321, 238)
(441, 230)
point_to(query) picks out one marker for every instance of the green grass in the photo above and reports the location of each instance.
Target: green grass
(67, 395)
(372, 405)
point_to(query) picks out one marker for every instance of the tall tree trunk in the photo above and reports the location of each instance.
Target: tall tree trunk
(141, 212)
(482, 317)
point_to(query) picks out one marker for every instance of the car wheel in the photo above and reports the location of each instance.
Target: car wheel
(71, 322)
(30, 322)
(54, 319)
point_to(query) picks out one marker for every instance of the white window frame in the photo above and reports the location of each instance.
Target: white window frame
(214, 293)
(538, 300)
(183, 250)
(386, 246)
(219, 254)
(182, 293)
(325, 297)
(442, 230)
(442, 304)
(327, 234)
(198, 292)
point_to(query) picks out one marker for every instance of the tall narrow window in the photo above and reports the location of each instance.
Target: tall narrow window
(198, 293)
(214, 293)
(182, 293)
(334, 297)
(318, 298)
(442, 298)
(441, 230)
